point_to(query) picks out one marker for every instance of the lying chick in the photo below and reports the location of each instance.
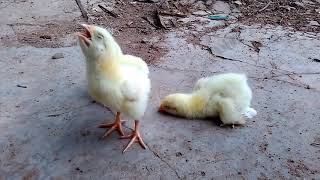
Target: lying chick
(226, 95)
(115, 80)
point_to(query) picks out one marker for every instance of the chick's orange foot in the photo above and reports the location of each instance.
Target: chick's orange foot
(135, 136)
(116, 126)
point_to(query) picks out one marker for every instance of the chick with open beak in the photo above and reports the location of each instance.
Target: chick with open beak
(118, 81)
(85, 36)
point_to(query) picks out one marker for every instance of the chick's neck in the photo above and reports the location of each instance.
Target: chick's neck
(107, 66)
(193, 105)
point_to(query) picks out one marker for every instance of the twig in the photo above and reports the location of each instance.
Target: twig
(108, 11)
(145, 1)
(173, 23)
(150, 22)
(83, 11)
(158, 20)
(172, 14)
(265, 7)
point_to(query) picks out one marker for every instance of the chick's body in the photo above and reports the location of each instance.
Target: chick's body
(225, 95)
(121, 85)
(115, 80)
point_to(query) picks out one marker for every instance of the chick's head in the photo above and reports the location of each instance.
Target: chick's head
(96, 41)
(174, 104)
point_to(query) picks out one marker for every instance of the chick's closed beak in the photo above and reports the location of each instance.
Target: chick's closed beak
(161, 109)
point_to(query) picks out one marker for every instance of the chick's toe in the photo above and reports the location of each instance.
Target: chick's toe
(135, 136)
(115, 126)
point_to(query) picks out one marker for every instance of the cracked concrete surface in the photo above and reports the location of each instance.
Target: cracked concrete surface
(48, 130)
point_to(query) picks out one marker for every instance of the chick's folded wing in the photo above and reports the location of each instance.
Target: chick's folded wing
(129, 90)
(136, 83)
(135, 62)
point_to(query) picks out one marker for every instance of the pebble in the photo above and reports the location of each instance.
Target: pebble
(221, 7)
(200, 13)
(57, 56)
(314, 23)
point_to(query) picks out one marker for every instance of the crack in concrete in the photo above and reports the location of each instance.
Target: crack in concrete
(159, 157)
(235, 60)
(300, 85)
(290, 74)
(58, 114)
(185, 70)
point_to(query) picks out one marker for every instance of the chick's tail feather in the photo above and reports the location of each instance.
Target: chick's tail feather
(249, 112)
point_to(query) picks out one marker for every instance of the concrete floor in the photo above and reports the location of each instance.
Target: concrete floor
(48, 130)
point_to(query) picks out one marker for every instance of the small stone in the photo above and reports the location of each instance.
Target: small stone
(314, 23)
(238, 2)
(200, 13)
(308, 2)
(145, 41)
(57, 56)
(209, 2)
(45, 37)
(200, 5)
(221, 7)
(299, 4)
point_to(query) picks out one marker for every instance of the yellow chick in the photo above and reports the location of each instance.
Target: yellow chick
(225, 95)
(115, 80)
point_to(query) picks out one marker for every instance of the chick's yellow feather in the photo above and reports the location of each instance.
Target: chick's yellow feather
(116, 80)
(135, 62)
(226, 95)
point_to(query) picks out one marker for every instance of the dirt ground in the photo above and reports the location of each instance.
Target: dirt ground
(48, 123)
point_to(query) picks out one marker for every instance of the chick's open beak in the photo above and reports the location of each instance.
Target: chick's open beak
(86, 35)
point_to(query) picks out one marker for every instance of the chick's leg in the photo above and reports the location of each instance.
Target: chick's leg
(117, 125)
(229, 115)
(135, 136)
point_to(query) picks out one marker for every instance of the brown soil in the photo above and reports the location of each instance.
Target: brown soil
(135, 35)
(136, 28)
(296, 14)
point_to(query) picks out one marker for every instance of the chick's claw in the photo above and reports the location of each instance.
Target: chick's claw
(135, 137)
(117, 125)
(113, 127)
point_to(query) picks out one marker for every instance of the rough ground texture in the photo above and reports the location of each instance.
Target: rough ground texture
(48, 124)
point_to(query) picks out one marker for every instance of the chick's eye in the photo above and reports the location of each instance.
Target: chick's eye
(99, 36)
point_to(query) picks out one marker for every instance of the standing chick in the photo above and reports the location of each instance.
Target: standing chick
(115, 80)
(226, 95)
